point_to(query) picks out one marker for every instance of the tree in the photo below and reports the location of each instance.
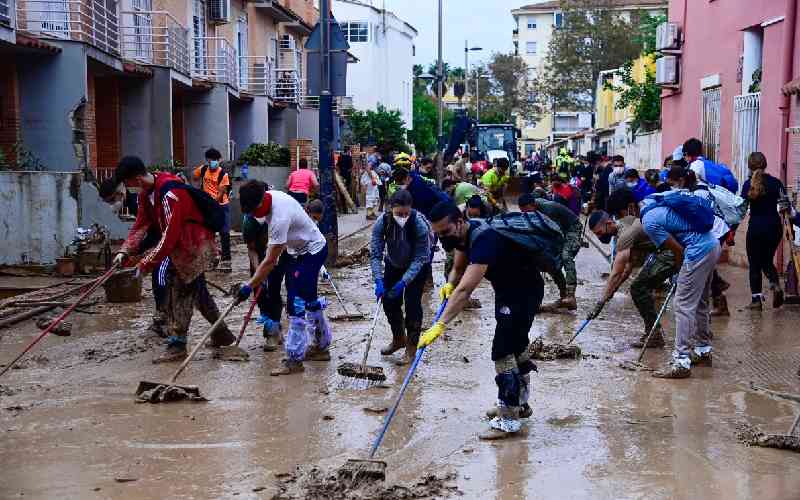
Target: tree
(383, 128)
(426, 121)
(433, 70)
(595, 37)
(504, 90)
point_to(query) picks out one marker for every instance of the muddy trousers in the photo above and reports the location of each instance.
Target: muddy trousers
(411, 297)
(658, 268)
(692, 312)
(572, 245)
(514, 312)
(763, 239)
(181, 300)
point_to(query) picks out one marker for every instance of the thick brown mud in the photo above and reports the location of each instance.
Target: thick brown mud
(71, 429)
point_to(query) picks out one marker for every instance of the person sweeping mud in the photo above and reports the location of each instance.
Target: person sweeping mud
(171, 205)
(481, 250)
(400, 272)
(291, 230)
(570, 224)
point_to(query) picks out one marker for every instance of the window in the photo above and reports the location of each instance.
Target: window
(356, 32)
(531, 23)
(530, 47)
(558, 19)
(413, 50)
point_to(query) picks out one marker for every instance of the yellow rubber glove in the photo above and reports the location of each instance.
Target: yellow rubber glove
(431, 334)
(446, 291)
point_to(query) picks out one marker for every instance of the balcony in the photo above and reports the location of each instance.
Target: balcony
(342, 105)
(93, 22)
(6, 12)
(214, 60)
(286, 86)
(256, 75)
(155, 38)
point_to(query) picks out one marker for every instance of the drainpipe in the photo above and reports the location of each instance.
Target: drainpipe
(788, 72)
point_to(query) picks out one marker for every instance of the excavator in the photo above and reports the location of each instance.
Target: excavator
(485, 142)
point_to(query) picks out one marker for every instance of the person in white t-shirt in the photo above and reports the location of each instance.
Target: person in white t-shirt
(293, 231)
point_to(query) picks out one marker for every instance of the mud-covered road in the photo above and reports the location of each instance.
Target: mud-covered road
(69, 426)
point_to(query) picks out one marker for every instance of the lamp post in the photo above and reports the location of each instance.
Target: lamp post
(440, 83)
(467, 50)
(478, 97)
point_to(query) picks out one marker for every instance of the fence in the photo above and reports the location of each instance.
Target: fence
(256, 75)
(6, 12)
(91, 21)
(746, 114)
(155, 38)
(711, 122)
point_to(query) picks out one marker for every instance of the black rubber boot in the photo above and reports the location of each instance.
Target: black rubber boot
(398, 339)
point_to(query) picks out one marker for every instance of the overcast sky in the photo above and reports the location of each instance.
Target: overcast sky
(485, 23)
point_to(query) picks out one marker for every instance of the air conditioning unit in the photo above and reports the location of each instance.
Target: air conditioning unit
(219, 11)
(668, 36)
(667, 70)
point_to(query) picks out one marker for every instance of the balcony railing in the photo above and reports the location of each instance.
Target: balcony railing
(214, 60)
(286, 86)
(256, 75)
(90, 21)
(342, 105)
(155, 38)
(6, 11)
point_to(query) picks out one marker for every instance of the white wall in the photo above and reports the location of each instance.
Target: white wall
(384, 72)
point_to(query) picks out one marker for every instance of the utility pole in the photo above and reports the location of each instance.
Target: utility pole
(440, 82)
(466, 73)
(329, 226)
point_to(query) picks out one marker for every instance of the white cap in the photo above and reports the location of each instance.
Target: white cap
(678, 153)
(699, 170)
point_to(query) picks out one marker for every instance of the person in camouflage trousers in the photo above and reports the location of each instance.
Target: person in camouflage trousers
(634, 249)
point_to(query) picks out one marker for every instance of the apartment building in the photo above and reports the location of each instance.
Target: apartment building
(83, 82)
(535, 25)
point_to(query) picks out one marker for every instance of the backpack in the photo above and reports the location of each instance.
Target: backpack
(729, 206)
(213, 214)
(533, 231)
(696, 211)
(720, 175)
(220, 177)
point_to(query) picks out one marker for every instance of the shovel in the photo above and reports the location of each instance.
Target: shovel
(346, 316)
(362, 371)
(638, 365)
(192, 391)
(359, 469)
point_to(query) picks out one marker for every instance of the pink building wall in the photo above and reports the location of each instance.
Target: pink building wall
(713, 43)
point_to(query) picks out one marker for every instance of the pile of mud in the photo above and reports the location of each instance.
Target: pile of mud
(752, 436)
(315, 484)
(360, 256)
(548, 352)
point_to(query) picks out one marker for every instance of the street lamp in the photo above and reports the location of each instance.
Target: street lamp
(478, 97)
(467, 50)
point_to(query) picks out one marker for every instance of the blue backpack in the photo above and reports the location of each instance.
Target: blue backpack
(719, 174)
(696, 211)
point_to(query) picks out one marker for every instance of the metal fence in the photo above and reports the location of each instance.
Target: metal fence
(155, 38)
(215, 60)
(710, 122)
(6, 12)
(91, 21)
(746, 113)
(256, 75)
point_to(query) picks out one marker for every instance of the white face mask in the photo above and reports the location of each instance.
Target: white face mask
(401, 220)
(260, 220)
(134, 190)
(631, 184)
(213, 164)
(619, 170)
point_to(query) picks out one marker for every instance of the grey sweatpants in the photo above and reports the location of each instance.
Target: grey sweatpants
(691, 303)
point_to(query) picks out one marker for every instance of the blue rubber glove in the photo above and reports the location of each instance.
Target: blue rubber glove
(379, 291)
(243, 292)
(396, 290)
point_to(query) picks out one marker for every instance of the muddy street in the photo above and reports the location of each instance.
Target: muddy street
(71, 429)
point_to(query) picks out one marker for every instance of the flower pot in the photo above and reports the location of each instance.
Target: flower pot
(65, 266)
(123, 286)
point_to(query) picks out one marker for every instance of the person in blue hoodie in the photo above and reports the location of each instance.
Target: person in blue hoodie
(640, 188)
(425, 195)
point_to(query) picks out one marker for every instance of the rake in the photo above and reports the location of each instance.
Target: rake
(638, 365)
(346, 316)
(372, 374)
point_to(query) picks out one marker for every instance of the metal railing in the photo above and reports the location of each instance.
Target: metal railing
(214, 59)
(286, 86)
(6, 12)
(256, 75)
(342, 105)
(90, 21)
(155, 38)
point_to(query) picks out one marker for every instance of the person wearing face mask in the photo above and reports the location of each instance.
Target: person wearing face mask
(399, 258)
(565, 193)
(634, 250)
(640, 188)
(424, 194)
(217, 184)
(166, 208)
(616, 179)
(291, 232)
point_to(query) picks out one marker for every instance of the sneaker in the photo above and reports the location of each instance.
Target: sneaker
(656, 340)
(271, 343)
(171, 354)
(569, 303)
(701, 359)
(287, 368)
(756, 304)
(501, 428)
(525, 411)
(675, 369)
(316, 354)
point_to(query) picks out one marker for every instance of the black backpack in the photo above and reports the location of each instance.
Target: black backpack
(213, 214)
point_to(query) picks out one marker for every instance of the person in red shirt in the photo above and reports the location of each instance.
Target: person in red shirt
(164, 203)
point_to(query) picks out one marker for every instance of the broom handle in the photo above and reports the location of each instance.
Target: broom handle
(583, 325)
(336, 291)
(203, 341)
(409, 376)
(658, 321)
(94, 286)
(248, 315)
(369, 337)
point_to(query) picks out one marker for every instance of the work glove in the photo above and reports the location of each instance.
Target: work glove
(431, 334)
(595, 312)
(397, 289)
(119, 259)
(446, 291)
(242, 292)
(379, 291)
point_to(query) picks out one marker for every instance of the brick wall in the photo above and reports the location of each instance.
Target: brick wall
(107, 116)
(305, 146)
(9, 109)
(89, 121)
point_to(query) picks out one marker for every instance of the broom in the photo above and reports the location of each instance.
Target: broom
(363, 372)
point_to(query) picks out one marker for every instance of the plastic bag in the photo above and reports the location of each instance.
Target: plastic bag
(319, 326)
(296, 339)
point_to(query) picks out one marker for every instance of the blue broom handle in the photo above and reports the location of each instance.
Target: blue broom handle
(406, 381)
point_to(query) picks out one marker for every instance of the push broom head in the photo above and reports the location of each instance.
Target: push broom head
(370, 373)
(158, 392)
(363, 470)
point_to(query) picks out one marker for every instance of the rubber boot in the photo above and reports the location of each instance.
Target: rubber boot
(412, 338)
(568, 300)
(398, 339)
(720, 306)
(221, 336)
(175, 351)
(316, 323)
(287, 368)
(677, 368)
(777, 295)
(272, 335)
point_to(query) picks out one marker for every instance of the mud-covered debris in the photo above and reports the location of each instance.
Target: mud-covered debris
(125, 479)
(548, 352)
(359, 256)
(752, 436)
(315, 484)
(327, 417)
(63, 329)
(7, 391)
(376, 410)
(167, 393)
(35, 360)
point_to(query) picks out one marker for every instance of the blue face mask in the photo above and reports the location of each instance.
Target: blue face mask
(214, 164)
